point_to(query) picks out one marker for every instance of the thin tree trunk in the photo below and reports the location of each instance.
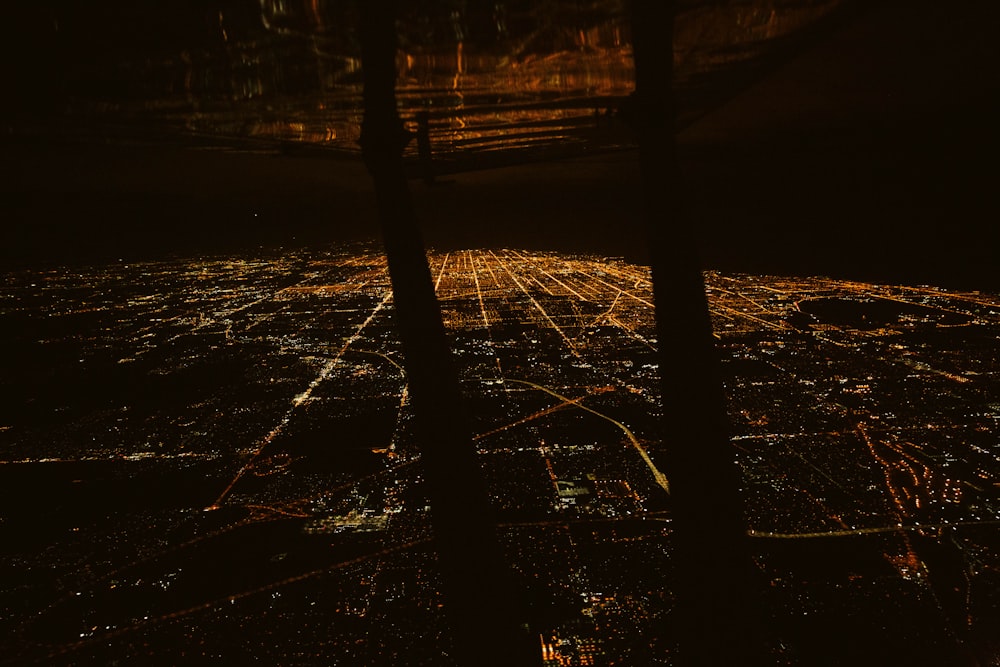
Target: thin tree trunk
(712, 623)
(476, 595)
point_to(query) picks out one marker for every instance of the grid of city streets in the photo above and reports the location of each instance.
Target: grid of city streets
(212, 458)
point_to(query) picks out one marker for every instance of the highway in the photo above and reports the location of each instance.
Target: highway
(660, 478)
(854, 532)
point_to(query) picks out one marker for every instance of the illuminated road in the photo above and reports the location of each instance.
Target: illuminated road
(301, 398)
(473, 260)
(574, 402)
(877, 407)
(566, 339)
(660, 478)
(854, 532)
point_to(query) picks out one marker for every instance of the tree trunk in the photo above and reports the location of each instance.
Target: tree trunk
(711, 624)
(475, 579)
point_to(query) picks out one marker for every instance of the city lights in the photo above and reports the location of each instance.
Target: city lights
(245, 442)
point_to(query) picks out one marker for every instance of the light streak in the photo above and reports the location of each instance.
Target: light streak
(441, 271)
(486, 319)
(324, 373)
(854, 532)
(533, 416)
(660, 478)
(566, 339)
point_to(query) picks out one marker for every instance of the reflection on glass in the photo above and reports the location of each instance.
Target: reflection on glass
(504, 74)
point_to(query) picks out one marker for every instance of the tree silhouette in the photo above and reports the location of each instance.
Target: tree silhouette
(474, 576)
(712, 621)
